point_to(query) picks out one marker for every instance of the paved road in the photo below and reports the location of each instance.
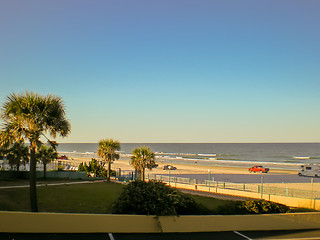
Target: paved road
(234, 235)
(251, 178)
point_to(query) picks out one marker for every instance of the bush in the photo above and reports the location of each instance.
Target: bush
(262, 206)
(60, 168)
(94, 167)
(252, 207)
(155, 198)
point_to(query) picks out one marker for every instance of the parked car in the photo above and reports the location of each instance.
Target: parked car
(63, 157)
(167, 167)
(260, 169)
(310, 170)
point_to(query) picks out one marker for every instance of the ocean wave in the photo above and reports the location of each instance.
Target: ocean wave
(252, 162)
(230, 161)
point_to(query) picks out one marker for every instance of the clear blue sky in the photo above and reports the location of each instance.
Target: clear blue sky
(169, 70)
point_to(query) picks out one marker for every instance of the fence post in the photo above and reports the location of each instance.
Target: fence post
(224, 185)
(261, 187)
(311, 187)
(244, 187)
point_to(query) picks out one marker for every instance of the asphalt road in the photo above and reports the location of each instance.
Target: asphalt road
(233, 235)
(251, 178)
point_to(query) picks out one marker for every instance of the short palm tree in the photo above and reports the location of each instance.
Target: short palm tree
(31, 116)
(46, 155)
(107, 152)
(17, 154)
(141, 159)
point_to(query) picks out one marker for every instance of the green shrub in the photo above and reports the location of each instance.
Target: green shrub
(252, 207)
(262, 206)
(155, 198)
(82, 167)
(94, 167)
(60, 168)
(232, 208)
(297, 210)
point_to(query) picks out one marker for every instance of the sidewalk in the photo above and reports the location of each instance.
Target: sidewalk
(51, 184)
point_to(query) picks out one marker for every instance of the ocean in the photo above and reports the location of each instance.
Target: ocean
(275, 155)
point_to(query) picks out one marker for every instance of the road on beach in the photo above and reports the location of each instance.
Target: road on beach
(250, 178)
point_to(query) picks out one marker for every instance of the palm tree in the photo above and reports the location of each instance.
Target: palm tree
(17, 154)
(46, 155)
(107, 151)
(142, 158)
(31, 116)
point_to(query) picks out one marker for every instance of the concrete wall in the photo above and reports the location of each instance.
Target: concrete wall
(19, 222)
(66, 175)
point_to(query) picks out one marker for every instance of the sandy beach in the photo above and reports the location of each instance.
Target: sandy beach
(123, 163)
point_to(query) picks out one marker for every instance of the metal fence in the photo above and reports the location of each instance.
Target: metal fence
(246, 187)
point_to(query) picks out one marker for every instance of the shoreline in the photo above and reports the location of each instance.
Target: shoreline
(123, 163)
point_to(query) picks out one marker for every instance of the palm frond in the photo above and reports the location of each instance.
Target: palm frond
(33, 115)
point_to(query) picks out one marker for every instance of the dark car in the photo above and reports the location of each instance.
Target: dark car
(167, 167)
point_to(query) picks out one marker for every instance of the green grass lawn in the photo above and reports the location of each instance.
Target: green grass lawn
(211, 203)
(78, 198)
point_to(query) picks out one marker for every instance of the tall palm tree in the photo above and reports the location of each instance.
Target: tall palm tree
(46, 155)
(31, 116)
(17, 154)
(107, 152)
(141, 159)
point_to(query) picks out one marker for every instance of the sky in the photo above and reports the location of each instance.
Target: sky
(202, 71)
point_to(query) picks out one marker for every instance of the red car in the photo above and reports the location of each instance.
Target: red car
(63, 157)
(259, 169)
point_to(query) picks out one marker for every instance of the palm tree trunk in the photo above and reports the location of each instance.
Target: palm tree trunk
(33, 187)
(142, 174)
(108, 171)
(44, 171)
